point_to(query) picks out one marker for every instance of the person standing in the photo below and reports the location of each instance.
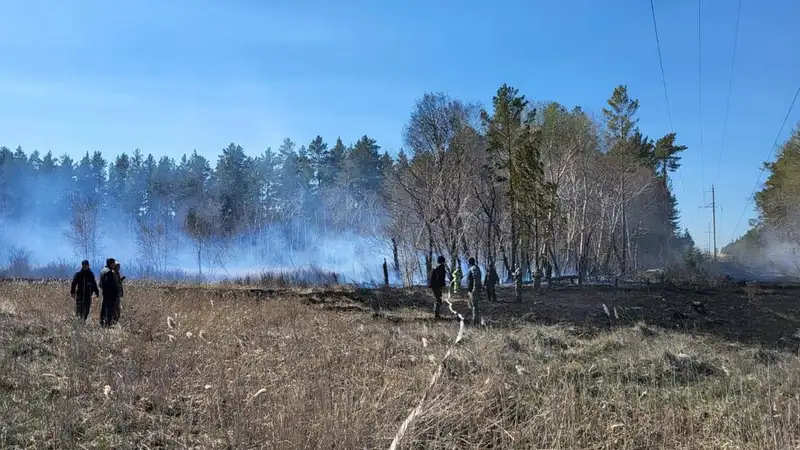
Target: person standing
(110, 288)
(492, 280)
(548, 273)
(474, 289)
(437, 283)
(83, 286)
(117, 312)
(455, 282)
(517, 275)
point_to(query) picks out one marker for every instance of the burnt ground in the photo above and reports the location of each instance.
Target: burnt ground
(765, 315)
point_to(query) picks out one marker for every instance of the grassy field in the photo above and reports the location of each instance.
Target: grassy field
(338, 368)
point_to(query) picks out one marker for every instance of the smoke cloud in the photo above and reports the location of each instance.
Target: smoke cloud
(295, 211)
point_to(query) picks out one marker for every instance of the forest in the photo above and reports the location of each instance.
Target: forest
(771, 242)
(519, 183)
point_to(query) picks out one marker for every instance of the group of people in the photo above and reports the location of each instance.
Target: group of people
(475, 283)
(84, 286)
(438, 283)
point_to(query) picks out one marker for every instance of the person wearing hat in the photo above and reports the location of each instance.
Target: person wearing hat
(83, 286)
(437, 282)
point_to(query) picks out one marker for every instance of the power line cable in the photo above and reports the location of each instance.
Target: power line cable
(666, 95)
(730, 87)
(700, 87)
(661, 64)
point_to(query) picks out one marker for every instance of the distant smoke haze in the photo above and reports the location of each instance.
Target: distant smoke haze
(289, 210)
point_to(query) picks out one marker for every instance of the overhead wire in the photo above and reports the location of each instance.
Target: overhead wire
(730, 89)
(700, 87)
(664, 84)
(764, 168)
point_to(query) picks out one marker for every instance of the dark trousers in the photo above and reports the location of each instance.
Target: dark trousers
(117, 312)
(491, 293)
(107, 309)
(437, 306)
(83, 304)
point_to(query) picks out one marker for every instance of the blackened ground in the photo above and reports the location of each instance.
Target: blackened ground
(765, 314)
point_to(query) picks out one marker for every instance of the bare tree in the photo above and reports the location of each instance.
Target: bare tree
(84, 226)
(199, 225)
(441, 133)
(19, 262)
(153, 240)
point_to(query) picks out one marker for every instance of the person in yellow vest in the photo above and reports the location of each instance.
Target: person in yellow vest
(455, 283)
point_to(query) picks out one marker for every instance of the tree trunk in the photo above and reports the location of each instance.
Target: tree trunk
(199, 260)
(514, 233)
(429, 255)
(508, 268)
(395, 257)
(624, 260)
(537, 274)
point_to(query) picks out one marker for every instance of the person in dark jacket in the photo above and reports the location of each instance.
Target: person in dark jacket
(474, 288)
(110, 288)
(83, 286)
(492, 279)
(118, 304)
(437, 283)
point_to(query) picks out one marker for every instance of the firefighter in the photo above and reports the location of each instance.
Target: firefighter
(474, 289)
(455, 283)
(110, 287)
(117, 310)
(437, 283)
(517, 275)
(83, 286)
(548, 272)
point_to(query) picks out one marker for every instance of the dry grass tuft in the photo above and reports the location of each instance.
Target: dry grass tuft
(218, 369)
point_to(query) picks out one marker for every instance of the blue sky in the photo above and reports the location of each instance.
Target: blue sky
(172, 76)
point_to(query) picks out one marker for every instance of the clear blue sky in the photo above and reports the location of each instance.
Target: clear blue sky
(173, 76)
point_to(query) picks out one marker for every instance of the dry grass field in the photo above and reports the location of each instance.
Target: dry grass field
(341, 369)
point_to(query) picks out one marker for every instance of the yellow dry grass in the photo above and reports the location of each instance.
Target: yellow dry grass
(195, 368)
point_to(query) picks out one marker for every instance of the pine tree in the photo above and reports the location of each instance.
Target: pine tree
(508, 131)
(620, 117)
(667, 155)
(235, 189)
(318, 156)
(118, 175)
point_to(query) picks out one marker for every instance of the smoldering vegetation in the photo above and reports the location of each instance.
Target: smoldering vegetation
(771, 247)
(309, 211)
(538, 186)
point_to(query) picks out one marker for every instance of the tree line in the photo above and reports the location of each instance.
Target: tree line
(519, 183)
(772, 241)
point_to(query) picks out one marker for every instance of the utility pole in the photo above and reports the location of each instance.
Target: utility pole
(708, 238)
(713, 207)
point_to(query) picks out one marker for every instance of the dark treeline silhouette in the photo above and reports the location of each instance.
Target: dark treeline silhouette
(522, 184)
